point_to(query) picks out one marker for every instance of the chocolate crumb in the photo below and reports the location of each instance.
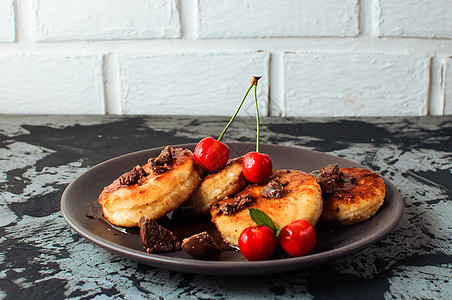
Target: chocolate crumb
(237, 204)
(156, 238)
(133, 176)
(200, 246)
(274, 189)
(160, 164)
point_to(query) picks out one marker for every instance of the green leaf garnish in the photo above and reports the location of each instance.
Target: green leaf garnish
(262, 219)
(278, 231)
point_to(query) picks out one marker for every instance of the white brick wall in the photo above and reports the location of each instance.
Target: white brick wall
(51, 84)
(7, 32)
(191, 83)
(355, 84)
(415, 18)
(447, 85)
(317, 57)
(277, 18)
(58, 20)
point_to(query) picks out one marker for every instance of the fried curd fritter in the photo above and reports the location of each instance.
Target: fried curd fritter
(354, 198)
(153, 190)
(289, 195)
(216, 186)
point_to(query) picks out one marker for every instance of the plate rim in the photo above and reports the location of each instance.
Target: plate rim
(212, 267)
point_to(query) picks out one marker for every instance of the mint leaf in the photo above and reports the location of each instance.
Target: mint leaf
(261, 218)
(278, 231)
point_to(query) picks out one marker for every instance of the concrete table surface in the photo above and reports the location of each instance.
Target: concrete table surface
(41, 257)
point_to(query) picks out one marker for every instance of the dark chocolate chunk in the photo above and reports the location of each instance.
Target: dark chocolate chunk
(274, 189)
(200, 246)
(133, 176)
(237, 204)
(331, 171)
(165, 156)
(326, 184)
(160, 164)
(156, 238)
(329, 178)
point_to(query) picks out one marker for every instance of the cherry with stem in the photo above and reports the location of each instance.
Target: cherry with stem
(212, 155)
(257, 167)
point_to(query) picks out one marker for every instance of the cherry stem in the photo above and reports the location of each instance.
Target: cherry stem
(236, 112)
(257, 118)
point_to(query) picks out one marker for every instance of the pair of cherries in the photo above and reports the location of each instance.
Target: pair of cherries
(259, 242)
(212, 155)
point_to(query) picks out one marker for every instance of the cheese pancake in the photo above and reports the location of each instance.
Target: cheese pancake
(355, 198)
(153, 190)
(216, 186)
(288, 195)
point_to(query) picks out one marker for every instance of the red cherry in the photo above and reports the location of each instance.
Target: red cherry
(257, 243)
(257, 167)
(211, 154)
(298, 238)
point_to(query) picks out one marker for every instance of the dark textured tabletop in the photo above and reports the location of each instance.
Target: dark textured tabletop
(41, 257)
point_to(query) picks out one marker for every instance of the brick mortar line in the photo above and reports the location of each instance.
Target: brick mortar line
(111, 84)
(355, 45)
(367, 18)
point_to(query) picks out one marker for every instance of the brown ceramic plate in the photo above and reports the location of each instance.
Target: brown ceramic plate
(81, 210)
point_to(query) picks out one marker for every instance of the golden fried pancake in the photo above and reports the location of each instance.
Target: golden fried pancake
(216, 186)
(298, 197)
(157, 188)
(355, 198)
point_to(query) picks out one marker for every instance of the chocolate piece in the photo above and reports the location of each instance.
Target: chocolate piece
(329, 178)
(237, 204)
(274, 189)
(326, 184)
(160, 164)
(200, 246)
(133, 176)
(331, 171)
(156, 238)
